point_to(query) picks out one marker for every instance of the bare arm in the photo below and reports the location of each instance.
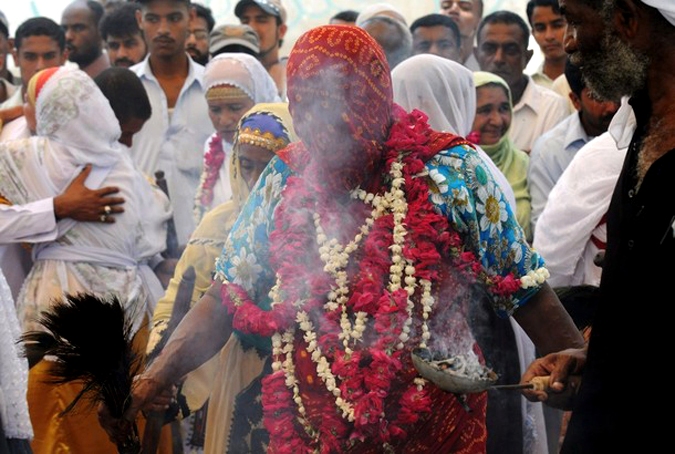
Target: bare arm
(200, 335)
(547, 323)
(560, 343)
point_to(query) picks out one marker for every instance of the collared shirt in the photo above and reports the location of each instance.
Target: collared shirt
(550, 156)
(16, 99)
(575, 212)
(172, 141)
(538, 110)
(539, 77)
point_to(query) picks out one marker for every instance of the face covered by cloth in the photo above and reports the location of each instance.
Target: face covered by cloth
(341, 99)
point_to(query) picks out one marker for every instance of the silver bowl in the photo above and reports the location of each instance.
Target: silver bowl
(452, 379)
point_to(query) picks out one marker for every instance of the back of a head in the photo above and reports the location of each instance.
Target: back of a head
(125, 92)
(380, 9)
(574, 78)
(392, 35)
(347, 16)
(120, 21)
(507, 18)
(441, 88)
(40, 26)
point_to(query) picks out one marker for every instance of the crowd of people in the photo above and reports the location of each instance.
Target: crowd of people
(392, 185)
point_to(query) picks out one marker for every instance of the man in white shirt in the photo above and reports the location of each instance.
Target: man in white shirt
(502, 49)
(173, 137)
(467, 15)
(553, 151)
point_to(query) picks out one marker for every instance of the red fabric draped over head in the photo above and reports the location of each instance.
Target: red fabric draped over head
(341, 99)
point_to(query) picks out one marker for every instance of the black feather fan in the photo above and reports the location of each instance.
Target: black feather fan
(90, 340)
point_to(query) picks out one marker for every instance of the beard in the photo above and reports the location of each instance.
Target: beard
(613, 69)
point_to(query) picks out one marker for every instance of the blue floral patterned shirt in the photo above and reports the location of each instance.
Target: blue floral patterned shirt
(461, 187)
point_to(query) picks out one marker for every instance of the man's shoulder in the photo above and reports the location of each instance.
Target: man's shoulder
(556, 135)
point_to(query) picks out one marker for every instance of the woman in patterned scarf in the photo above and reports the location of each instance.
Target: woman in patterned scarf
(363, 241)
(263, 131)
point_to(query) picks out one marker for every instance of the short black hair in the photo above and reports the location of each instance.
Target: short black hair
(40, 26)
(235, 49)
(435, 20)
(574, 77)
(348, 15)
(206, 14)
(508, 18)
(533, 3)
(120, 21)
(125, 93)
(145, 2)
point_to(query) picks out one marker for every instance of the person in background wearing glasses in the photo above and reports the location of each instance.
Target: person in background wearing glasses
(467, 15)
(197, 44)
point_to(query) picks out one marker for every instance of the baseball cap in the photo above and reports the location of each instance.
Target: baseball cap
(229, 34)
(4, 24)
(272, 7)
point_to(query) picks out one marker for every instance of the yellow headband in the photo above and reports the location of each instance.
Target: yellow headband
(225, 92)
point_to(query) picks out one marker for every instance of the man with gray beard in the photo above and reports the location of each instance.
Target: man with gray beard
(625, 48)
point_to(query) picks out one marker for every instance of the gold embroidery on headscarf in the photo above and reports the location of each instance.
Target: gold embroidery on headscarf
(225, 92)
(264, 140)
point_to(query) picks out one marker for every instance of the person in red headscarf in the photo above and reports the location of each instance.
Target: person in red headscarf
(371, 237)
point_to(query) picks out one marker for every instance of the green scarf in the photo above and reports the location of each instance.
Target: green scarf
(510, 160)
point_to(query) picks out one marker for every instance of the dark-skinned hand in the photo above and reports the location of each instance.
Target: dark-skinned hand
(82, 204)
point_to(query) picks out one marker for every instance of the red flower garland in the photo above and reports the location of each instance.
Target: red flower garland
(213, 161)
(371, 377)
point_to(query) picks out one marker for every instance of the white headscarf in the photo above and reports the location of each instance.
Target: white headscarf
(665, 7)
(72, 111)
(445, 91)
(441, 88)
(242, 71)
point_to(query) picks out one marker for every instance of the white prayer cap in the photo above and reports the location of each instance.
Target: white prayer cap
(380, 9)
(665, 7)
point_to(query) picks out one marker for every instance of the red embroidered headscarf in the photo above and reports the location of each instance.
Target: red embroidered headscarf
(341, 99)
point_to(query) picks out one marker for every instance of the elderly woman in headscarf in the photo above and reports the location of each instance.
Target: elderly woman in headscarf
(263, 131)
(233, 83)
(491, 124)
(361, 243)
(76, 126)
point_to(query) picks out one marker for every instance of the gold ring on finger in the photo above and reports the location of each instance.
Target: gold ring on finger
(107, 209)
(103, 218)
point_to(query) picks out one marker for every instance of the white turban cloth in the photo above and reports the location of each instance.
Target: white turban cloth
(665, 7)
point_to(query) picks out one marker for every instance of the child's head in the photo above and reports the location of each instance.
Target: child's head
(128, 99)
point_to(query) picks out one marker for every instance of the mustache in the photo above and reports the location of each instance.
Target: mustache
(124, 62)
